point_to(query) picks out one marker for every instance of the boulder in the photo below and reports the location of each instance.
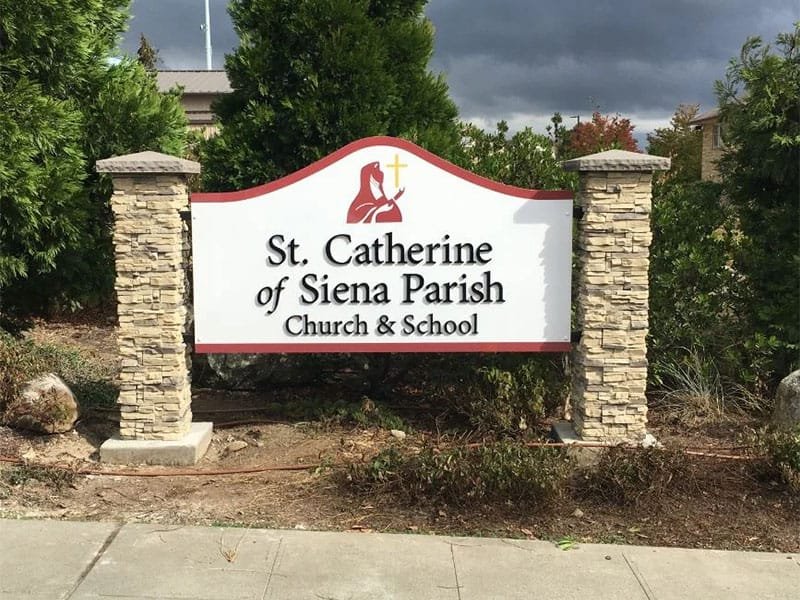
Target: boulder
(786, 414)
(46, 405)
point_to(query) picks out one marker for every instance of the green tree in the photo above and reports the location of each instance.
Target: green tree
(760, 171)
(45, 53)
(40, 179)
(127, 114)
(147, 55)
(681, 143)
(693, 286)
(63, 106)
(558, 134)
(310, 76)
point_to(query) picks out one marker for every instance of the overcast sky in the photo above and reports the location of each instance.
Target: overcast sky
(522, 60)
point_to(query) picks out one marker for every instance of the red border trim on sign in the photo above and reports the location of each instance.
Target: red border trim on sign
(378, 347)
(283, 182)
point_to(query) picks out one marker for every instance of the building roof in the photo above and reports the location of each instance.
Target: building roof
(195, 82)
(706, 116)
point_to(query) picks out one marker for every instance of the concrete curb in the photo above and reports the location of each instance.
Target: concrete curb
(79, 561)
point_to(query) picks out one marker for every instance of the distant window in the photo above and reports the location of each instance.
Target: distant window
(717, 141)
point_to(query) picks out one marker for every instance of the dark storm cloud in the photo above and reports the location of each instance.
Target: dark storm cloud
(626, 56)
(522, 59)
(174, 28)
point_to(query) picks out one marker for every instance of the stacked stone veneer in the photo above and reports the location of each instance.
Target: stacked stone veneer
(151, 246)
(609, 362)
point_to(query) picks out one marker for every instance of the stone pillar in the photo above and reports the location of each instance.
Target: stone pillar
(149, 203)
(609, 361)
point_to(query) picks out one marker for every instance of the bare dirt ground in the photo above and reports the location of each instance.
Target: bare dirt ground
(727, 506)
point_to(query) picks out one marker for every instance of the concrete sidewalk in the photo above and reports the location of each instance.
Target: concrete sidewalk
(48, 560)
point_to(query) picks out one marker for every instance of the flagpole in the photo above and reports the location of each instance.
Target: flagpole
(208, 37)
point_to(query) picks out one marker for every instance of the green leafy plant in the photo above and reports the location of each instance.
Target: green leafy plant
(506, 400)
(365, 414)
(566, 543)
(782, 450)
(635, 476)
(383, 468)
(525, 159)
(462, 475)
(23, 474)
(503, 393)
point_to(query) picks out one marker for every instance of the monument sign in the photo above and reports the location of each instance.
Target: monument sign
(382, 247)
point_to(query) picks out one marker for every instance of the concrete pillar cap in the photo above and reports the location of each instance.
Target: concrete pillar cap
(617, 160)
(147, 162)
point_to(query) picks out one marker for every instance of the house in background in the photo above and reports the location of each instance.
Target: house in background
(713, 144)
(200, 89)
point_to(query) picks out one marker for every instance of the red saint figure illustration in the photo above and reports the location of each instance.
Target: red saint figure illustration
(371, 204)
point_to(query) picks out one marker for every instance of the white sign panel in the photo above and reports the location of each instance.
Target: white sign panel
(382, 247)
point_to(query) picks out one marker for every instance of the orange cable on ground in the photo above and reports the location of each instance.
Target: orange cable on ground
(265, 469)
(689, 450)
(170, 473)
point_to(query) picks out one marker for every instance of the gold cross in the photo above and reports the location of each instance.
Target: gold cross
(397, 165)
